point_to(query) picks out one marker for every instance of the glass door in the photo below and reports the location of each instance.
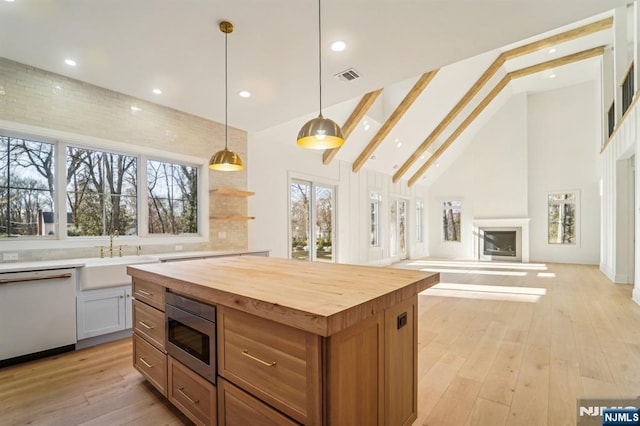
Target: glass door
(311, 221)
(397, 229)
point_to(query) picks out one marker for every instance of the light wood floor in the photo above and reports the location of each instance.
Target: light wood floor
(518, 351)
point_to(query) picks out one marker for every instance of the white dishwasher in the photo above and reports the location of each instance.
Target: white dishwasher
(37, 313)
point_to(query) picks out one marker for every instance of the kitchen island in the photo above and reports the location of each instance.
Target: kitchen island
(297, 342)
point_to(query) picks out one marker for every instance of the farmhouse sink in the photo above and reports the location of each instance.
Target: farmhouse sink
(109, 271)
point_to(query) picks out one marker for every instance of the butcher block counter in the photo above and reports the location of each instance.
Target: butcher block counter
(297, 342)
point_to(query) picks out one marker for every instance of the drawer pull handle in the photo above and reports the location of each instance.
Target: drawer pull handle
(142, 360)
(181, 390)
(144, 293)
(268, 364)
(145, 325)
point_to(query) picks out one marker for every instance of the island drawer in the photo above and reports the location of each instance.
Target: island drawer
(150, 323)
(278, 364)
(149, 293)
(192, 394)
(151, 363)
(236, 407)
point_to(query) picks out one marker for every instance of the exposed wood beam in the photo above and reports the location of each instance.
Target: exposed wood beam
(580, 56)
(358, 113)
(555, 63)
(461, 128)
(395, 116)
(489, 73)
(583, 31)
(484, 78)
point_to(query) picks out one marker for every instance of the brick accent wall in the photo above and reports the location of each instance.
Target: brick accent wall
(35, 97)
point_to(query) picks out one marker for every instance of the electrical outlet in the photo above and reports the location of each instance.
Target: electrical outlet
(9, 256)
(222, 235)
(179, 247)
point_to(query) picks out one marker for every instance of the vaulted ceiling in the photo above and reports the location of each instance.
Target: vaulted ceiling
(442, 48)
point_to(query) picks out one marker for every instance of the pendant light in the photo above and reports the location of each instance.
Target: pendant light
(320, 133)
(225, 160)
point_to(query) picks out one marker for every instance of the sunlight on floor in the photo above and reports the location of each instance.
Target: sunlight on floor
(487, 292)
(475, 271)
(488, 265)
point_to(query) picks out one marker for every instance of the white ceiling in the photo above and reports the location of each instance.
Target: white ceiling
(133, 46)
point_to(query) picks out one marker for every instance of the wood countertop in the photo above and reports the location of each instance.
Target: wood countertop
(321, 298)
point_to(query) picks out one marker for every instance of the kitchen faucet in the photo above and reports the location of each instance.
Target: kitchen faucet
(113, 235)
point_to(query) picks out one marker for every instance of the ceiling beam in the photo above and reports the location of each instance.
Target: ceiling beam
(484, 78)
(565, 60)
(395, 116)
(564, 37)
(358, 113)
(489, 73)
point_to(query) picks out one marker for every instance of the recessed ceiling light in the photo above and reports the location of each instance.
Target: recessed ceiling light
(244, 94)
(366, 125)
(395, 166)
(70, 62)
(135, 108)
(157, 91)
(399, 144)
(9, 1)
(422, 157)
(437, 165)
(373, 157)
(338, 46)
(552, 50)
(552, 76)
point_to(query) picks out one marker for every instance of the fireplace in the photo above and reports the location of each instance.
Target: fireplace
(500, 243)
(501, 239)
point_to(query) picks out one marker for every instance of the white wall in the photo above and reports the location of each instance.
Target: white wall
(274, 163)
(563, 155)
(490, 177)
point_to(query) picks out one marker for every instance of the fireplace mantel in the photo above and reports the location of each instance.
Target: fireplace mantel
(520, 222)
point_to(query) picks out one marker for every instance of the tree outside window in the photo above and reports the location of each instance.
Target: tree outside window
(451, 213)
(561, 217)
(173, 198)
(27, 179)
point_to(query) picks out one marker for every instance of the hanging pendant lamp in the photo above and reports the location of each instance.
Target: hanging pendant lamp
(320, 133)
(226, 160)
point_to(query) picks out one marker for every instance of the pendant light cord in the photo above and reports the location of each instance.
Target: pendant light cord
(320, 52)
(226, 92)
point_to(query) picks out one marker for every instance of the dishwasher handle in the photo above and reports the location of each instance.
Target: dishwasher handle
(34, 278)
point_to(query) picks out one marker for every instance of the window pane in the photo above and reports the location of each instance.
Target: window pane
(324, 223)
(26, 188)
(419, 220)
(375, 219)
(173, 198)
(300, 216)
(101, 193)
(561, 216)
(451, 220)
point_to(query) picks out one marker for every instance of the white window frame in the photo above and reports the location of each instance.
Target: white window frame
(419, 220)
(62, 140)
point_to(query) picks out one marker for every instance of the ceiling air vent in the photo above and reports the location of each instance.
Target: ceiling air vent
(348, 75)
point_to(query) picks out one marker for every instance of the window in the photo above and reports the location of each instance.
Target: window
(311, 220)
(101, 193)
(375, 201)
(419, 221)
(562, 217)
(451, 220)
(27, 206)
(173, 198)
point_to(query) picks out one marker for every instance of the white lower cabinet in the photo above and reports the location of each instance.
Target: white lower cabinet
(103, 311)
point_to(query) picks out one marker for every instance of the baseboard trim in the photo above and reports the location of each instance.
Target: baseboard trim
(636, 295)
(36, 355)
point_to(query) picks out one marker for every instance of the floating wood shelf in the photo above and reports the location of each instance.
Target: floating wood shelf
(229, 191)
(233, 217)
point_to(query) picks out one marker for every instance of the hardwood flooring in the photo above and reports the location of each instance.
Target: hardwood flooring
(498, 345)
